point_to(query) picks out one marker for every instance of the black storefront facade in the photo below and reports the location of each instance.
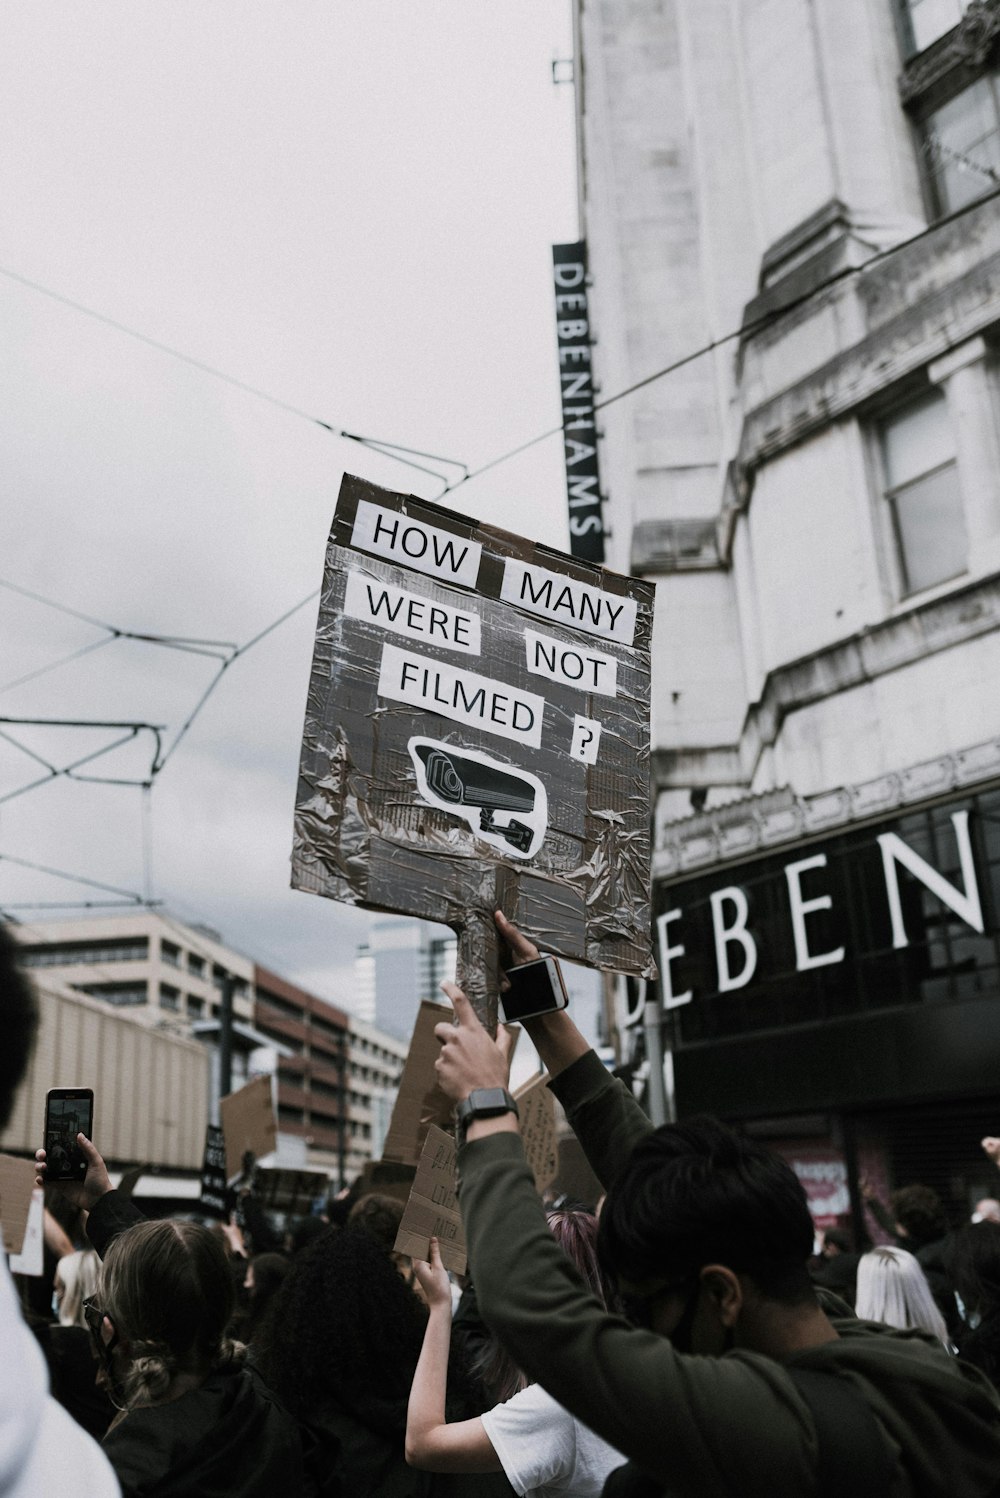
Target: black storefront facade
(839, 994)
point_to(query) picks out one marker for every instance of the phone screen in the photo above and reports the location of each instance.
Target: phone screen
(68, 1111)
(535, 988)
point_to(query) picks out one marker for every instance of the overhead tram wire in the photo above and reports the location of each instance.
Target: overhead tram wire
(755, 325)
(393, 450)
(240, 650)
(128, 895)
(132, 731)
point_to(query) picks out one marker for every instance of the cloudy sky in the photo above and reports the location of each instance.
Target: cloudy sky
(348, 207)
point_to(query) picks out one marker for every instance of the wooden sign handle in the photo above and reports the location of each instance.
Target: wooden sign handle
(478, 966)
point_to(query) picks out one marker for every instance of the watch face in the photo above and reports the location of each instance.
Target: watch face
(484, 1102)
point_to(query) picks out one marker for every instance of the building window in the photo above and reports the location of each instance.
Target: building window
(196, 965)
(922, 491)
(169, 997)
(923, 21)
(196, 1007)
(961, 146)
(170, 953)
(65, 954)
(122, 994)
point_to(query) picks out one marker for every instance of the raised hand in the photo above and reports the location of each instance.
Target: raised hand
(95, 1184)
(469, 1057)
(433, 1279)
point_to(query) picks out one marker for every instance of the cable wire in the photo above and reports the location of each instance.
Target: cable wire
(746, 329)
(398, 448)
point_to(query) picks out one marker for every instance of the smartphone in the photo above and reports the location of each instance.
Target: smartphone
(68, 1111)
(535, 988)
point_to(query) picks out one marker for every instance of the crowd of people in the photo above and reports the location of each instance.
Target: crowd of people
(679, 1337)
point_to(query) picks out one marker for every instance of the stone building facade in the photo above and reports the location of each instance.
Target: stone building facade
(793, 225)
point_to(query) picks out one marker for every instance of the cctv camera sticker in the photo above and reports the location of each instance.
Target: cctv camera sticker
(504, 807)
(586, 739)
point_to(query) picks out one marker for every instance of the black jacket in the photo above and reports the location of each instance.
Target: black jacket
(227, 1439)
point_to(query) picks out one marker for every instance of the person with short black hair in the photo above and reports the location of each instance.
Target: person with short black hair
(709, 1235)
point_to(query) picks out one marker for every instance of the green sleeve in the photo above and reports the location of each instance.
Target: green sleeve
(602, 1113)
(698, 1425)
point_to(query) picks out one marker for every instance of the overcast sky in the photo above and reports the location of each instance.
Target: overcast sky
(348, 206)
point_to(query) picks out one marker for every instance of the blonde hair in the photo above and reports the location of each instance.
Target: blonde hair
(893, 1289)
(78, 1273)
(169, 1293)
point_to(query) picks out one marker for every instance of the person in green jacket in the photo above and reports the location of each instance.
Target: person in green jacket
(708, 1234)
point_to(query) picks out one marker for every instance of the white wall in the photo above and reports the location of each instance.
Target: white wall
(813, 542)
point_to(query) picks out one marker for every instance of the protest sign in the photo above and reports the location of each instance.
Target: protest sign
(419, 1101)
(17, 1184)
(477, 732)
(432, 1208)
(536, 1109)
(248, 1123)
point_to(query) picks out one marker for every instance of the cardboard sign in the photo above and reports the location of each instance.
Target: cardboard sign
(17, 1185)
(31, 1259)
(248, 1123)
(432, 1208)
(477, 731)
(420, 1101)
(536, 1109)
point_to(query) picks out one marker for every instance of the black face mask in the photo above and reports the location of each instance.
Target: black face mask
(680, 1337)
(94, 1318)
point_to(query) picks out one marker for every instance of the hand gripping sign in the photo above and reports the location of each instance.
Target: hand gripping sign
(477, 732)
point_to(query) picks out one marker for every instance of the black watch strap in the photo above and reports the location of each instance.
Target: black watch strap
(482, 1102)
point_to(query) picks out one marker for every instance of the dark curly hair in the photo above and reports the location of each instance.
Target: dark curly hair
(698, 1192)
(918, 1210)
(377, 1214)
(345, 1331)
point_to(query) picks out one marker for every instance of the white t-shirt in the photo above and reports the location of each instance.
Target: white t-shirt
(544, 1451)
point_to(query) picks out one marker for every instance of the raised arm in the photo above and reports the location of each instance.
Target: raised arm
(109, 1213)
(555, 1037)
(431, 1443)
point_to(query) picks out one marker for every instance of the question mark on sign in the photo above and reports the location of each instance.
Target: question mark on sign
(586, 739)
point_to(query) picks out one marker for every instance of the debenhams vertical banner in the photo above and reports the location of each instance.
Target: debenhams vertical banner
(478, 729)
(576, 384)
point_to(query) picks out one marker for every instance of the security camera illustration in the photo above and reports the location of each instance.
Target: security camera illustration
(505, 807)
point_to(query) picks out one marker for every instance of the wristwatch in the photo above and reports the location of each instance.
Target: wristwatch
(482, 1102)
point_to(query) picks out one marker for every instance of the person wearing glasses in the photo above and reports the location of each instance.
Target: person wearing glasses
(192, 1417)
(729, 1378)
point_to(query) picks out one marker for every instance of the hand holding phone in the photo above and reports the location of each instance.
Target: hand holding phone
(534, 988)
(68, 1111)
